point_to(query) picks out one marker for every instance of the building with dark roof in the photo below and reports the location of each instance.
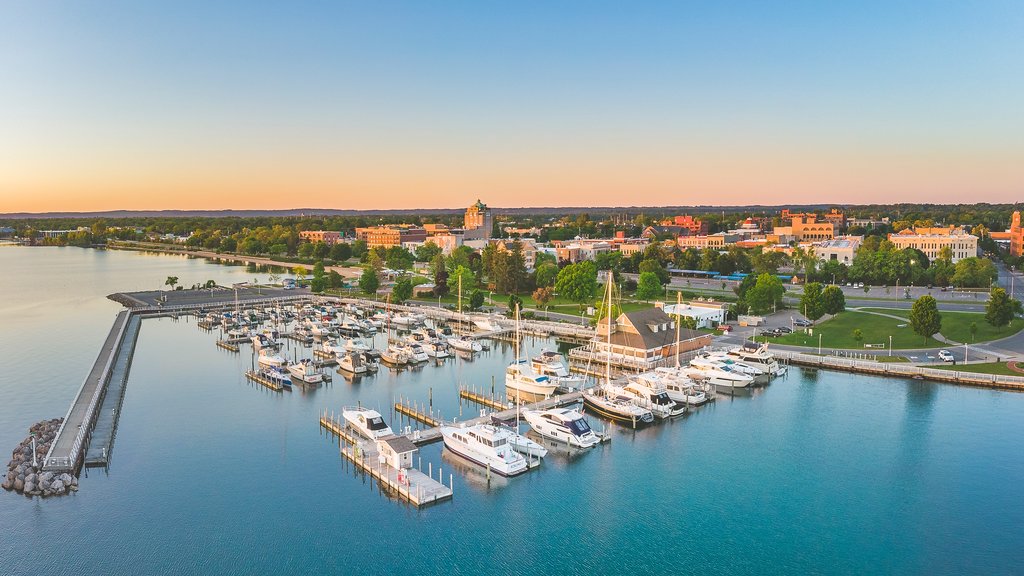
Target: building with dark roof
(645, 339)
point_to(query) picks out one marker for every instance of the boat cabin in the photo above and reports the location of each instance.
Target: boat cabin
(397, 451)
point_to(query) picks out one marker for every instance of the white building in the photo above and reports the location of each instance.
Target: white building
(931, 241)
(706, 314)
(841, 249)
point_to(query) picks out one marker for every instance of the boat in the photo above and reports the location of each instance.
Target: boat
(436, 349)
(723, 359)
(367, 422)
(520, 443)
(464, 344)
(683, 388)
(371, 358)
(651, 393)
(277, 376)
(352, 362)
(305, 371)
(394, 355)
(520, 379)
(562, 424)
(267, 359)
(605, 399)
(758, 356)
(415, 353)
(331, 347)
(353, 344)
(486, 445)
(721, 376)
(551, 364)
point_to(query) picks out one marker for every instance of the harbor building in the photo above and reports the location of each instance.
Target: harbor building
(707, 314)
(644, 340)
(931, 241)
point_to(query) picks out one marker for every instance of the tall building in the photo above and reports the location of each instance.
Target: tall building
(1016, 236)
(478, 222)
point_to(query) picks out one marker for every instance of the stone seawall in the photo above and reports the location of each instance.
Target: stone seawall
(25, 478)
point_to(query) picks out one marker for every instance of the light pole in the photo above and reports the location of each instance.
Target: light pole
(890, 344)
(819, 343)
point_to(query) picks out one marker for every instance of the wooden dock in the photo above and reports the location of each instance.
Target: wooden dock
(488, 401)
(412, 485)
(227, 345)
(254, 376)
(418, 413)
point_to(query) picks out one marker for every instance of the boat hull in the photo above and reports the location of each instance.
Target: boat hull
(619, 417)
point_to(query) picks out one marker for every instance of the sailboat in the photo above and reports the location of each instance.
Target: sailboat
(392, 354)
(605, 399)
(521, 380)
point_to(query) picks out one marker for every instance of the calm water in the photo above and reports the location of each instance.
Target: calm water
(828, 473)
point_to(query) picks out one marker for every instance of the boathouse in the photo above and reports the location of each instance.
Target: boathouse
(397, 451)
(643, 340)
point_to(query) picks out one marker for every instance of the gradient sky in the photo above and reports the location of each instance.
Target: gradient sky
(207, 105)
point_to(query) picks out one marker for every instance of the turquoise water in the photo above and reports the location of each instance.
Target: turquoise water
(824, 473)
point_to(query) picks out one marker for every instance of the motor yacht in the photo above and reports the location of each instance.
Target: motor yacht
(563, 425)
(277, 376)
(758, 356)
(721, 376)
(486, 445)
(609, 402)
(352, 362)
(650, 392)
(464, 344)
(522, 382)
(305, 371)
(551, 364)
(267, 359)
(367, 422)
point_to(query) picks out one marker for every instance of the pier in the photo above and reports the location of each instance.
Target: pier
(409, 484)
(258, 378)
(488, 401)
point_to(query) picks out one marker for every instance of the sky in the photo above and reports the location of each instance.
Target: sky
(364, 105)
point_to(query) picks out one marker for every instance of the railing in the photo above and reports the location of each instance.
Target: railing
(86, 425)
(900, 369)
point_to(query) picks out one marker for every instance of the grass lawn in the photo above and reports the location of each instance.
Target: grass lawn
(992, 368)
(957, 325)
(838, 333)
(891, 359)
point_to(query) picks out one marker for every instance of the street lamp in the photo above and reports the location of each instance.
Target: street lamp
(890, 344)
(819, 343)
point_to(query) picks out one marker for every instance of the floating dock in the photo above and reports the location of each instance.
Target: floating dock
(411, 485)
(488, 401)
(254, 376)
(227, 345)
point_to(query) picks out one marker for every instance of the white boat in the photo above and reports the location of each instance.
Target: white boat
(486, 445)
(276, 375)
(681, 387)
(524, 445)
(352, 362)
(305, 371)
(267, 359)
(488, 323)
(464, 344)
(521, 381)
(371, 359)
(436, 349)
(607, 401)
(399, 319)
(394, 355)
(415, 353)
(758, 356)
(331, 347)
(353, 344)
(563, 425)
(719, 376)
(651, 393)
(367, 422)
(724, 359)
(551, 364)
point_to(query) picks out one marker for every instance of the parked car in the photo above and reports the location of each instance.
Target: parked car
(783, 329)
(802, 323)
(945, 355)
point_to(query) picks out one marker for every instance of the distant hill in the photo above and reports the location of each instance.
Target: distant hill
(412, 212)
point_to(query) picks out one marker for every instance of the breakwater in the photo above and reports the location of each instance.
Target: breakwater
(24, 470)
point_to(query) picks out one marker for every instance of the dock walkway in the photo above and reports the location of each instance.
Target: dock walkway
(102, 437)
(65, 453)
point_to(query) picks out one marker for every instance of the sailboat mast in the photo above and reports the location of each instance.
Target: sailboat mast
(460, 292)
(608, 311)
(678, 315)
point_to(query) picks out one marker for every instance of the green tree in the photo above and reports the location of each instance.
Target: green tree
(398, 258)
(171, 281)
(321, 250)
(974, 330)
(833, 300)
(648, 286)
(858, 335)
(514, 301)
(334, 279)
(402, 290)
(811, 303)
(319, 281)
(546, 274)
(341, 252)
(427, 251)
(577, 282)
(369, 282)
(440, 280)
(655, 267)
(765, 294)
(925, 318)
(476, 300)
(468, 280)
(999, 308)
(306, 250)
